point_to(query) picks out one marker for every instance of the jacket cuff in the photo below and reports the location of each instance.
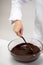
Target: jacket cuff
(13, 19)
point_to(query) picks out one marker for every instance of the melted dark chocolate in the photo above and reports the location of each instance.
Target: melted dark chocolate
(24, 49)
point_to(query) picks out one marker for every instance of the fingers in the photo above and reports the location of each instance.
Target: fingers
(19, 32)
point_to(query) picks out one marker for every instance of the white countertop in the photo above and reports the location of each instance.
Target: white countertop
(6, 58)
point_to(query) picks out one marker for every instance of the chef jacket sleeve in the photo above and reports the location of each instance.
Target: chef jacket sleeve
(15, 13)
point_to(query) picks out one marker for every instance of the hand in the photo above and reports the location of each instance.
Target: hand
(18, 28)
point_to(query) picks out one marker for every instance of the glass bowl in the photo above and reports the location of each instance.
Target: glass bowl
(25, 58)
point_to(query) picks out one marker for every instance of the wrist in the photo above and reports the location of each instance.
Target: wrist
(16, 21)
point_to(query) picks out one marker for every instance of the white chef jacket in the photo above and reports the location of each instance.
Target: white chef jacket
(16, 13)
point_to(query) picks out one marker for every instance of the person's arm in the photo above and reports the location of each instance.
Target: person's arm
(16, 13)
(16, 16)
